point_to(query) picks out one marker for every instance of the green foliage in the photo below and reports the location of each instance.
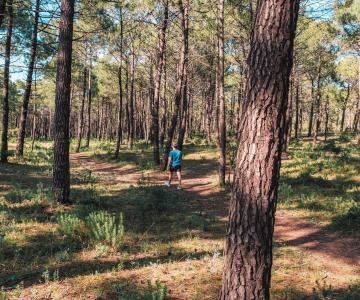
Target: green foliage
(41, 194)
(69, 225)
(157, 292)
(151, 292)
(106, 228)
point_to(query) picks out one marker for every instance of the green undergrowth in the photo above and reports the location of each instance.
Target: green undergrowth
(323, 181)
(117, 229)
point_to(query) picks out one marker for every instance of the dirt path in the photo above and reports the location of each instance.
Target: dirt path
(337, 255)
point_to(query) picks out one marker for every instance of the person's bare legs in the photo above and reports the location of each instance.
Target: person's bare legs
(178, 173)
(169, 177)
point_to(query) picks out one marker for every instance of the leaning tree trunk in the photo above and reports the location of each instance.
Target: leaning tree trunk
(220, 94)
(157, 90)
(5, 118)
(27, 93)
(61, 180)
(248, 248)
(184, 10)
(2, 11)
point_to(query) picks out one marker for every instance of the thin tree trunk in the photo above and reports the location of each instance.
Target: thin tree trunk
(33, 130)
(165, 108)
(297, 110)
(318, 104)
(81, 112)
(182, 129)
(61, 180)
(131, 103)
(311, 116)
(27, 93)
(343, 109)
(179, 78)
(88, 128)
(220, 94)
(157, 90)
(288, 118)
(249, 237)
(326, 118)
(120, 104)
(5, 119)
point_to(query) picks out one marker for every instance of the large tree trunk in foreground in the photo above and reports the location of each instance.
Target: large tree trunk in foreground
(27, 93)
(157, 90)
(248, 248)
(61, 180)
(220, 94)
(5, 117)
(180, 78)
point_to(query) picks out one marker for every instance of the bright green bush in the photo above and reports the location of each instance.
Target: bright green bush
(105, 228)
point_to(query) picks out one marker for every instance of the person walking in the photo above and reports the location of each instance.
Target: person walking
(174, 165)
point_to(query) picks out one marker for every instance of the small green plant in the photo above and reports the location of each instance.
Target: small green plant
(46, 276)
(106, 228)
(69, 225)
(322, 291)
(157, 292)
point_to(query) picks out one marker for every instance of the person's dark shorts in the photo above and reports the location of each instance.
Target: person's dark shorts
(175, 169)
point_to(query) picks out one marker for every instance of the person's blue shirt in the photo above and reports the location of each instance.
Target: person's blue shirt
(175, 156)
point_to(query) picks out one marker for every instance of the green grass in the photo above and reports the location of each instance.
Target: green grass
(172, 236)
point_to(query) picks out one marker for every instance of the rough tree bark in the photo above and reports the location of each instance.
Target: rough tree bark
(5, 116)
(61, 173)
(184, 11)
(157, 90)
(29, 79)
(220, 94)
(248, 248)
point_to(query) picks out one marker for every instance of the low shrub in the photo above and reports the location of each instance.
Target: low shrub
(105, 228)
(69, 225)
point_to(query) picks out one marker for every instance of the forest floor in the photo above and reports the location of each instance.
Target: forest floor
(176, 237)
